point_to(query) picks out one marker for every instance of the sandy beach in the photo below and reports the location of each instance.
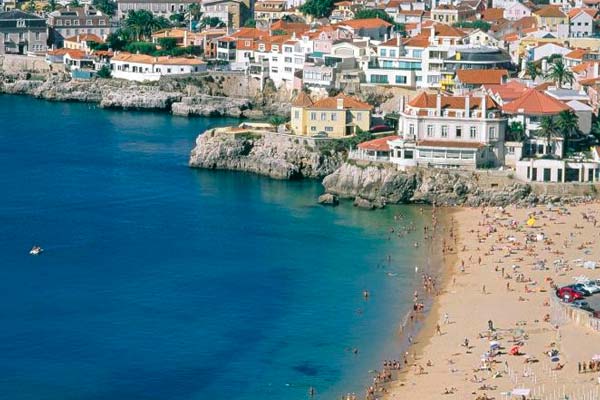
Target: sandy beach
(499, 274)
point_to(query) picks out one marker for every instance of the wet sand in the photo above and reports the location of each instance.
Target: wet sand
(517, 303)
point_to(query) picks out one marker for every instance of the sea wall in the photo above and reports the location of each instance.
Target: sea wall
(376, 184)
(275, 155)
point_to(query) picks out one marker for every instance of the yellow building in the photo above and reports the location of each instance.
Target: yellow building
(549, 17)
(337, 116)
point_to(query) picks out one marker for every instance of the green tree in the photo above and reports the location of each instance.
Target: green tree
(141, 23)
(479, 24)
(167, 44)
(194, 12)
(367, 13)
(212, 22)
(141, 47)
(30, 6)
(596, 129)
(559, 73)
(74, 3)
(118, 39)
(104, 72)
(278, 32)
(177, 19)
(547, 130)
(50, 6)
(277, 121)
(108, 7)
(533, 71)
(567, 123)
(317, 8)
(516, 131)
(251, 23)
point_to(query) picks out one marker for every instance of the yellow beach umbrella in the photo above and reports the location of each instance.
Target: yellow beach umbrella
(531, 221)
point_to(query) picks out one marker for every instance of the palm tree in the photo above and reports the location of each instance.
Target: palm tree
(276, 121)
(568, 123)
(142, 23)
(547, 130)
(194, 13)
(559, 73)
(516, 131)
(533, 71)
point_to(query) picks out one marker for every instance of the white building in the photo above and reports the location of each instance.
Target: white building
(449, 132)
(141, 67)
(581, 22)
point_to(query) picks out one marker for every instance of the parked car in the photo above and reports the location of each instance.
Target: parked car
(581, 289)
(591, 286)
(569, 294)
(582, 304)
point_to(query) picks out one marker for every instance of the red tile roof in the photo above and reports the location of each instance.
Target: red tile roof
(550, 12)
(492, 14)
(481, 76)
(348, 102)
(534, 102)
(302, 100)
(367, 23)
(379, 144)
(507, 92)
(85, 37)
(429, 100)
(576, 54)
(576, 11)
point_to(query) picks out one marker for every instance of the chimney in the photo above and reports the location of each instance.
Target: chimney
(467, 106)
(340, 103)
(484, 106)
(438, 105)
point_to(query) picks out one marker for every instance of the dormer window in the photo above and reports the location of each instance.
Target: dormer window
(21, 23)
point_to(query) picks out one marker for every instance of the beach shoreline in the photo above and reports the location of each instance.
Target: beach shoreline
(485, 291)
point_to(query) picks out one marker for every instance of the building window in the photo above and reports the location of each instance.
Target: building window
(296, 114)
(333, 116)
(383, 52)
(313, 116)
(21, 23)
(458, 131)
(444, 131)
(359, 117)
(473, 132)
(429, 130)
(411, 129)
(408, 154)
(400, 79)
(323, 116)
(492, 132)
(313, 128)
(329, 129)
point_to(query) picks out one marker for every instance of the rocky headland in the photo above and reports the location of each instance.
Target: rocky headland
(275, 155)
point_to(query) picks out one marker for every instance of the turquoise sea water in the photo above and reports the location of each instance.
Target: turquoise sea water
(163, 282)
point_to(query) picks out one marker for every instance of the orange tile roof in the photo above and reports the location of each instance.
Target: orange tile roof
(85, 37)
(576, 11)
(379, 144)
(349, 102)
(73, 53)
(550, 12)
(448, 31)
(392, 42)
(429, 100)
(576, 54)
(507, 92)
(511, 37)
(421, 40)
(534, 102)
(455, 144)
(302, 100)
(582, 67)
(589, 81)
(492, 14)
(481, 76)
(163, 60)
(367, 23)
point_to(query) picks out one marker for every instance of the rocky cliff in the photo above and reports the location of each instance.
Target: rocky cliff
(275, 155)
(374, 185)
(205, 95)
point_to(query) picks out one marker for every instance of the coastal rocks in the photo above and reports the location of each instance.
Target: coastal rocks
(374, 185)
(329, 199)
(149, 98)
(274, 155)
(210, 106)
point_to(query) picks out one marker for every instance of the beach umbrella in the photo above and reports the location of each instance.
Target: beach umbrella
(531, 222)
(514, 350)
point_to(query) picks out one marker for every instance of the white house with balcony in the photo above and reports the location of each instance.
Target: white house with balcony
(141, 67)
(444, 131)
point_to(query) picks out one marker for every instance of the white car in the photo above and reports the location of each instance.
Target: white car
(591, 286)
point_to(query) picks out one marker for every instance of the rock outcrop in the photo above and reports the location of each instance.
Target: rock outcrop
(374, 185)
(275, 155)
(211, 106)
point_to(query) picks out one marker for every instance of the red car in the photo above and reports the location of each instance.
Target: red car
(568, 294)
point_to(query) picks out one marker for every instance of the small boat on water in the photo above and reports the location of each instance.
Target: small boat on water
(36, 251)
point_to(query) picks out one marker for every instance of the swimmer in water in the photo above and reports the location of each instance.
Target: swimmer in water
(366, 294)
